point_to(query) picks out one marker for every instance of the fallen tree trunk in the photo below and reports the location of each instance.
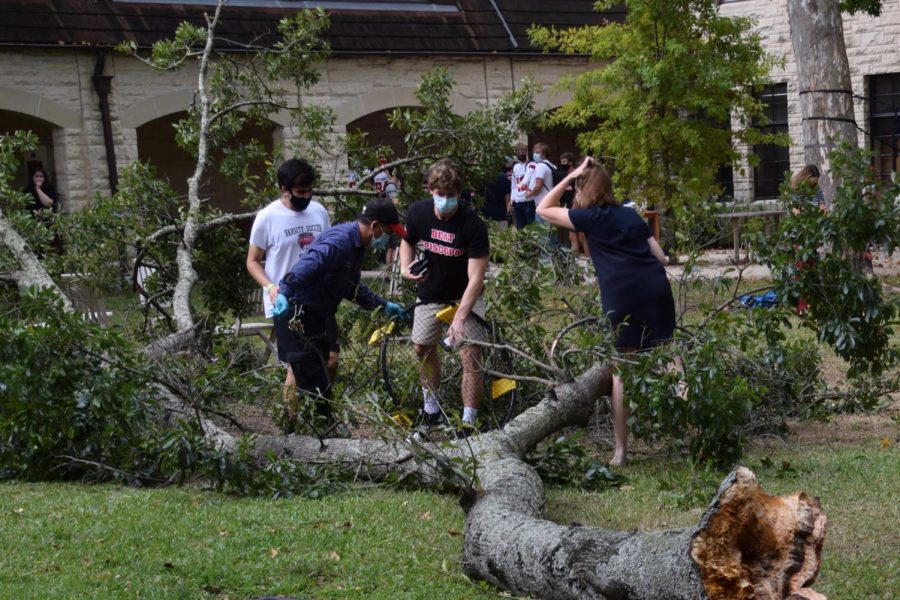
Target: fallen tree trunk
(748, 544)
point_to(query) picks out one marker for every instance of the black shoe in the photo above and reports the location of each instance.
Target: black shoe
(431, 420)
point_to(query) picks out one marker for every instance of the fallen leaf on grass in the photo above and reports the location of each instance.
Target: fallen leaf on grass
(626, 488)
(334, 556)
(454, 533)
(885, 443)
(211, 589)
(18, 511)
(274, 552)
(425, 516)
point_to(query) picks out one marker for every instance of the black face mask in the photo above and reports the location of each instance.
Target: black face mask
(521, 157)
(300, 203)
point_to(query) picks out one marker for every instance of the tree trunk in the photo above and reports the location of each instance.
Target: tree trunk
(747, 545)
(31, 272)
(826, 94)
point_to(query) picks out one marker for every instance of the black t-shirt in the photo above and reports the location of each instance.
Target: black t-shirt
(448, 245)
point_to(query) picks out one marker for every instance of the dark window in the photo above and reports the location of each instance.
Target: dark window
(884, 122)
(774, 160)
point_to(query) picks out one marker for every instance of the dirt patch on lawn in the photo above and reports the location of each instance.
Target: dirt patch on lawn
(850, 429)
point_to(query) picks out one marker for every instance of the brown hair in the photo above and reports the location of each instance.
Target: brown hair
(594, 187)
(543, 148)
(808, 175)
(444, 174)
(569, 156)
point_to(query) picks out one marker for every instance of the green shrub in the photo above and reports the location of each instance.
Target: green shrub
(74, 399)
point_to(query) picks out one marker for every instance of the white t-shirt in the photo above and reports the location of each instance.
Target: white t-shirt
(517, 182)
(380, 181)
(284, 235)
(539, 170)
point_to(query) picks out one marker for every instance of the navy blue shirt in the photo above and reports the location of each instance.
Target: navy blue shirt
(329, 271)
(634, 287)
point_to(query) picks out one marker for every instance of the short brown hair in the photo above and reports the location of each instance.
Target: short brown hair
(594, 187)
(444, 174)
(569, 156)
(543, 148)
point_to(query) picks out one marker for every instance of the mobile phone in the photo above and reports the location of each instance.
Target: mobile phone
(420, 267)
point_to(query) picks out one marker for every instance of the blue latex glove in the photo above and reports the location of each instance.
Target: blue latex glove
(281, 305)
(392, 309)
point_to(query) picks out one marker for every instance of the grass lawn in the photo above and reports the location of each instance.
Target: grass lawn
(73, 541)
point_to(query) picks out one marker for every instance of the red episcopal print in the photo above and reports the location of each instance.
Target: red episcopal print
(305, 239)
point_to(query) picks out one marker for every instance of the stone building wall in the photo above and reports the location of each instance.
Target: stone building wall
(873, 48)
(56, 86)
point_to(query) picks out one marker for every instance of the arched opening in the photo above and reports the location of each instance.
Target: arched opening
(378, 130)
(42, 156)
(156, 145)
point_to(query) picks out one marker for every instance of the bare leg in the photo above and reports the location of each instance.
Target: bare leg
(472, 378)
(429, 367)
(620, 423)
(332, 366)
(289, 400)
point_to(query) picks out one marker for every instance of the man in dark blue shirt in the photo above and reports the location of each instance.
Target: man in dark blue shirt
(309, 295)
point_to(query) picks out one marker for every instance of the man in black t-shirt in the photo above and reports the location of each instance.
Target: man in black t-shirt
(454, 242)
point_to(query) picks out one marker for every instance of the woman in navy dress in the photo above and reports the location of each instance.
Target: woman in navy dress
(629, 263)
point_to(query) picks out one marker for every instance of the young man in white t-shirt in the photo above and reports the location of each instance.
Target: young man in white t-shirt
(539, 179)
(280, 234)
(522, 208)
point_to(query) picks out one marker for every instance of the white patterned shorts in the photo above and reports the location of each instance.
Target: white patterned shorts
(429, 331)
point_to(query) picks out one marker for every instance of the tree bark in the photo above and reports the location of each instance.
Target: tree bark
(826, 93)
(32, 272)
(747, 545)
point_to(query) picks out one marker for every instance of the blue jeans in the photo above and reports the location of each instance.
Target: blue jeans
(524, 213)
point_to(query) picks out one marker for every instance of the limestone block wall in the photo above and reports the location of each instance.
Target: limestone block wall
(56, 86)
(873, 48)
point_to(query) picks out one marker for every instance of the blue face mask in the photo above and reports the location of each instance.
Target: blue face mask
(537, 157)
(444, 204)
(381, 242)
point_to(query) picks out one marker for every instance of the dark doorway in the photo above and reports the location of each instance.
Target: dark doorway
(156, 144)
(42, 156)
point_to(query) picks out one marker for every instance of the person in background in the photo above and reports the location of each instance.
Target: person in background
(522, 207)
(808, 178)
(496, 199)
(539, 174)
(309, 294)
(386, 246)
(566, 164)
(44, 201)
(454, 241)
(806, 190)
(629, 265)
(281, 233)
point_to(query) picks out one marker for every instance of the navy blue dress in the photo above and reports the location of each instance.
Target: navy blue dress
(634, 288)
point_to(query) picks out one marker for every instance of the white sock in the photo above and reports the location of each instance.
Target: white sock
(432, 407)
(469, 414)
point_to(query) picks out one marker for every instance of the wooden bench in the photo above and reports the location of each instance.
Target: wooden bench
(85, 299)
(262, 329)
(739, 217)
